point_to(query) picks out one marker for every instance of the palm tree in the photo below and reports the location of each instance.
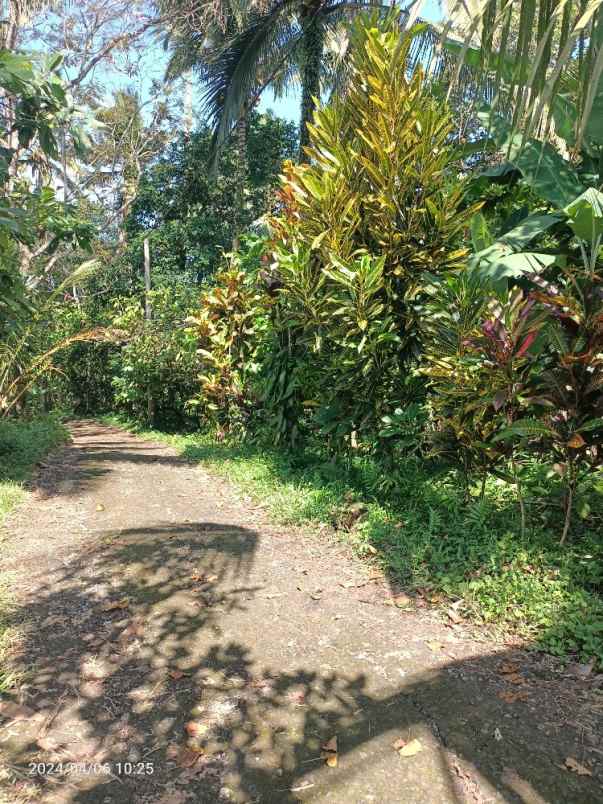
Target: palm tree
(193, 40)
(524, 54)
(281, 44)
(534, 61)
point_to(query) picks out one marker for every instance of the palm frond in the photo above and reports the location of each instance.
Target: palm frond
(16, 378)
(539, 42)
(251, 59)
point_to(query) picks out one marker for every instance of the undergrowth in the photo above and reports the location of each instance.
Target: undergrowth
(429, 538)
(22, 445)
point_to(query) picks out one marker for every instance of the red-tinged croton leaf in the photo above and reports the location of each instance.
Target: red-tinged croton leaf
(528, 341)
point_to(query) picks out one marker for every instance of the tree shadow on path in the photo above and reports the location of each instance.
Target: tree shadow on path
(133, 641)
(183, 659)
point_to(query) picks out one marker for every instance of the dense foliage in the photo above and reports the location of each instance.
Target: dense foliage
(425, 334)
(190, 215)
(33, 224)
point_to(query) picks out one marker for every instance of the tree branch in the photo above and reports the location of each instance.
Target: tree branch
(111, 45)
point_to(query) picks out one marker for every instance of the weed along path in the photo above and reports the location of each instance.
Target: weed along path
(172, 646)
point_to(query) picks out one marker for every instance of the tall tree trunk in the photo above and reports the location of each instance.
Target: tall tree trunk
(241, 169)
(188, 102)
(12, 21)
(313, 45)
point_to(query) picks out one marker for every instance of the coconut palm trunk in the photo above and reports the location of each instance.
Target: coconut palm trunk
(241, 171)
(313, 47)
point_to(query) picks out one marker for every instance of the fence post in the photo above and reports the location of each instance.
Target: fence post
(148, 314)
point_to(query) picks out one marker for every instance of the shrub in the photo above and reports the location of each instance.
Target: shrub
(227, 330)
(154, 372)
(523, 372)
(360, 226)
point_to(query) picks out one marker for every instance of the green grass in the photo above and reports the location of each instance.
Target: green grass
(426, 536)
(25, 442)
(22, 445)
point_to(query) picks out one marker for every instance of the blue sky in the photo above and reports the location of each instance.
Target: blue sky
(153, 64)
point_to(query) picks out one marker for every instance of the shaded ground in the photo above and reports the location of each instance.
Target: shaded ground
(177, 647)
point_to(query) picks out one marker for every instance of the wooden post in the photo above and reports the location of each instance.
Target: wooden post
(147, 280)
(148, 314)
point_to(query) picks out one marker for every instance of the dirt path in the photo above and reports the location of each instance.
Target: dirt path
(158, 607)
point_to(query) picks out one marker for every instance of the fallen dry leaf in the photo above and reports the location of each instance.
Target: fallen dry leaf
(100, 507)
(511, 697)
(178, 674)
(328, 752)
(199, 577)
(456, 618)
(173, 751)
(411, 748)
(117, 604)
(134, 630)
(577, 767)
(402, 600)
(508, 667)
(515, 678)
(187, 757)
(194, 729)
(435, 646)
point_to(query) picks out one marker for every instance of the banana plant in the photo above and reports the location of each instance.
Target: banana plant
(505, 258)
(534, 59)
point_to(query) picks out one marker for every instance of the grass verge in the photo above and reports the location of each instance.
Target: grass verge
(22, 445)
(429, 538)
